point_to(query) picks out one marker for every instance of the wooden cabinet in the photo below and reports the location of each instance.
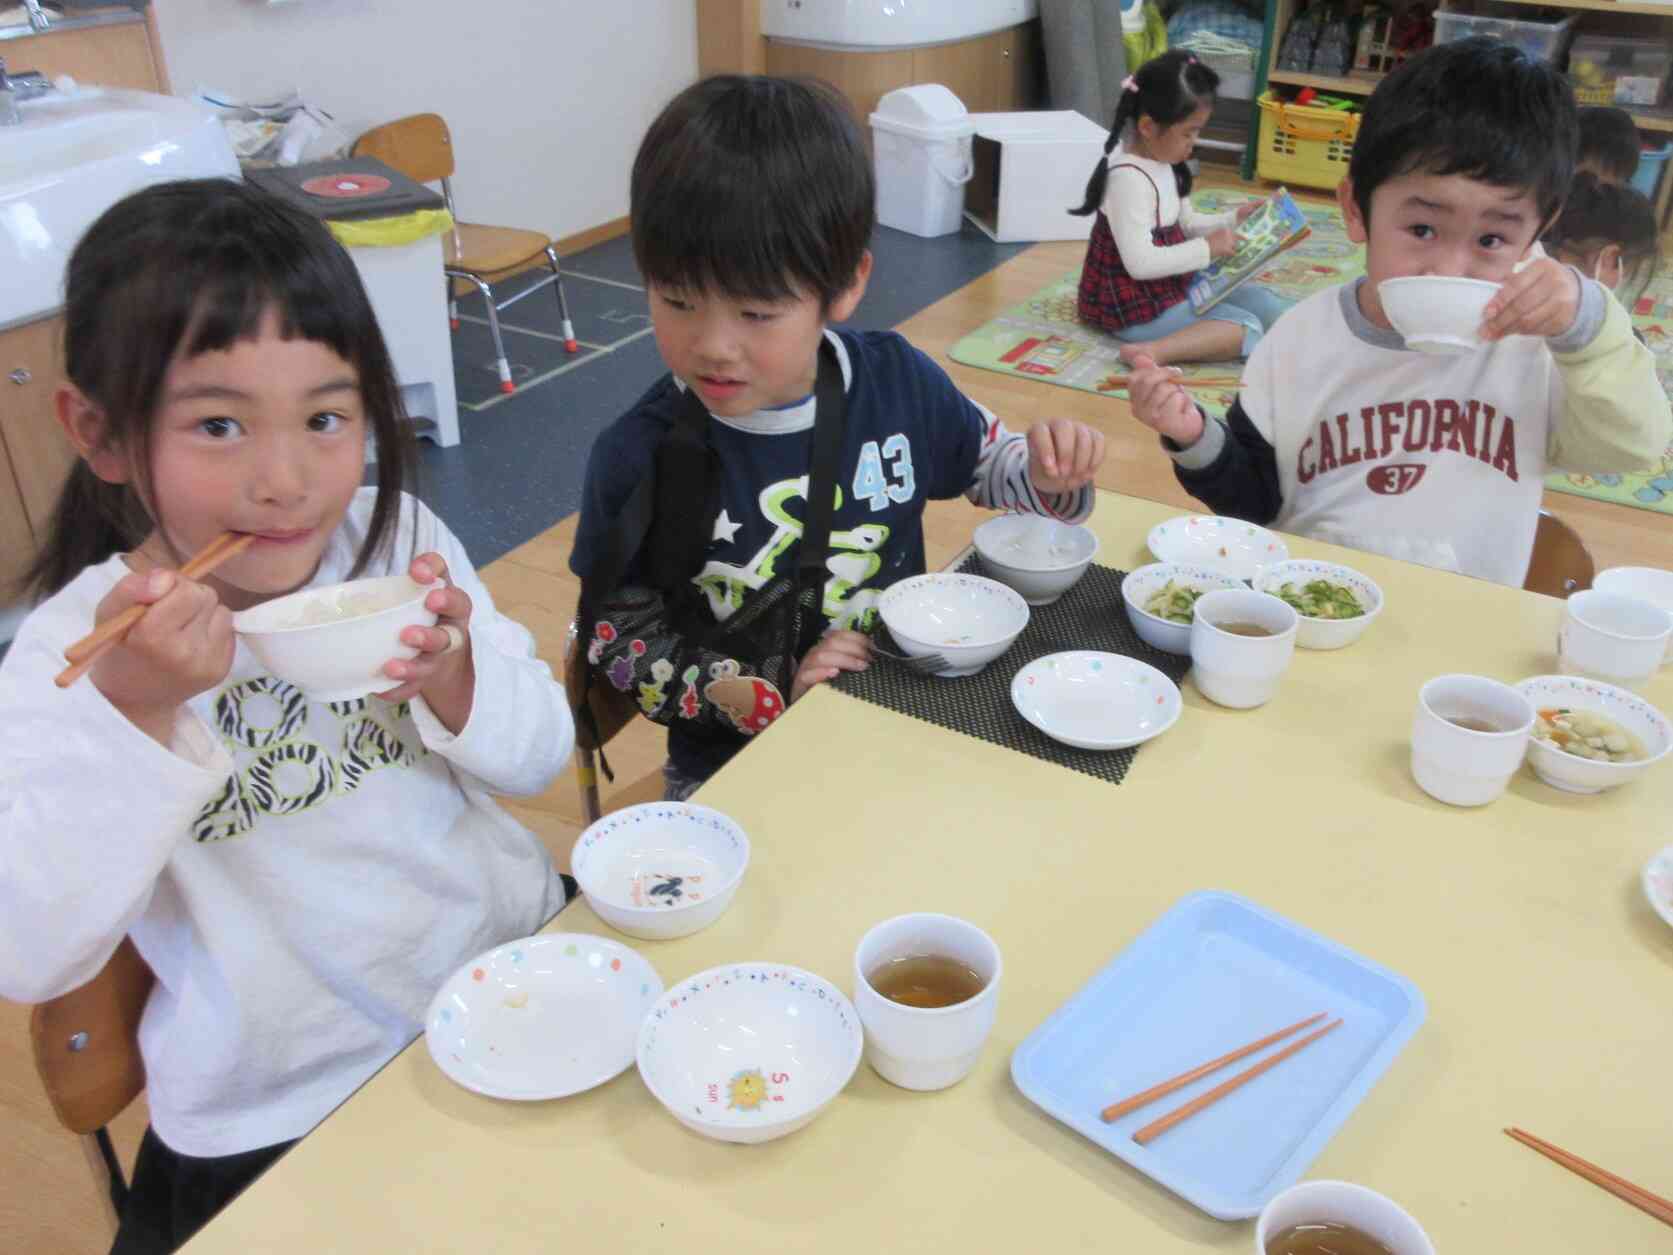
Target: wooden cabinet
(35, 455)
(997, 73)
(125, 55)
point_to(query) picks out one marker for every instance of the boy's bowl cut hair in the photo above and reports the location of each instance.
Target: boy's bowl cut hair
(1476, 107)
(754, 187)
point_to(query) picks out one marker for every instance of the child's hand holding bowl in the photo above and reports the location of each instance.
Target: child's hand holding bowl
(442, 671)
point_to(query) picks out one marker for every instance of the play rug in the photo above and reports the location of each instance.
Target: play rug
(1041, 339)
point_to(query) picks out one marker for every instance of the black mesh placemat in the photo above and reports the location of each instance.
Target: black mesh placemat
(1091, 615)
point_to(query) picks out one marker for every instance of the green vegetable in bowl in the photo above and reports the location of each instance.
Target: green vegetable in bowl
(1320, 599)
(1174, 602)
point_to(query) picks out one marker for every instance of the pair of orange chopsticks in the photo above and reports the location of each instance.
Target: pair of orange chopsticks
(1637, 1195)
(1157, 1127)
(1114, 383)
(85, 652)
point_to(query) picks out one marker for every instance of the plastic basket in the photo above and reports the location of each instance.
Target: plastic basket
(1304, 144)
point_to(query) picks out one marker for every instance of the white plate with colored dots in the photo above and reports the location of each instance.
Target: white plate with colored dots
(1239, 549)
(543, 1017)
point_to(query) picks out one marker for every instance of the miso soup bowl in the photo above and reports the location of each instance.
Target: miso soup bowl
(342, 658)
(1582, 775)
(1438, 313)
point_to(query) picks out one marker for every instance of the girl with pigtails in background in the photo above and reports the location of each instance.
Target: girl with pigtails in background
(1148, 243)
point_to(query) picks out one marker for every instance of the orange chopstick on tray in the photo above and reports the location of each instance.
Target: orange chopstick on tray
(85, 652)
(1118, 1109)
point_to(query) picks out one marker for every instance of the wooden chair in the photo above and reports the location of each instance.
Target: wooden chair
(610, 713)
(1560, 564)
(421, 148)
(86, 1046)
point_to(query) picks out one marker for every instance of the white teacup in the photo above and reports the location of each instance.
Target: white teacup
(1466, 766)
(926, 1047)
(1646, 583)
(1234, 670)
(1605, 636)
(1338, 1202)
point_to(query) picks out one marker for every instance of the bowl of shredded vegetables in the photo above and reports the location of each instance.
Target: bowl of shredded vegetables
(1161, 598)
(1335, 603)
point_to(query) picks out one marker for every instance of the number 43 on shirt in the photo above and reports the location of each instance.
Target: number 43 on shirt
(885, 475)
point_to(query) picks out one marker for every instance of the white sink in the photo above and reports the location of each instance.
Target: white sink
(74, 155)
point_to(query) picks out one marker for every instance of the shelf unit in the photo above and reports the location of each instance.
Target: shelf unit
(1279, 12)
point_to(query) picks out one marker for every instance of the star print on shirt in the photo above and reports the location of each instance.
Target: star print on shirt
(725, 528)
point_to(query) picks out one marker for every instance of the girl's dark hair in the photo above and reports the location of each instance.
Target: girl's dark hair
(1598, 213)
(1476, 107)
(1608, 142)
(1166, 90)
(185, 268)
(756, 187)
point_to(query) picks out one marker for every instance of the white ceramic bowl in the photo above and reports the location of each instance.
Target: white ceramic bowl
(1437, 313)
(1230, 546)
(332, 642)
(1339, 1202)
(1039, 557)
(542, 1017)
(968, 619)
(1658, 884)
(1582, 775)
(1645, 583)
(749, 1051)
(1145, 582)
(660, 869)
(1325, 633)
(1096, 701)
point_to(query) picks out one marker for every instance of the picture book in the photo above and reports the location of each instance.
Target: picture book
(1276, 225)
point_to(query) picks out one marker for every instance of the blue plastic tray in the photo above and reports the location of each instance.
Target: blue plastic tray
(1215, 973)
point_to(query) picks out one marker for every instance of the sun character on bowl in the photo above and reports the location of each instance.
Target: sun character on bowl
(746, 1091)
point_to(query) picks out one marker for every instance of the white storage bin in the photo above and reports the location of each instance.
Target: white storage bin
(1031, 169)
(921, 139)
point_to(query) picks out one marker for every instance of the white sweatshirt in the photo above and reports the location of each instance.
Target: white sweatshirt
(1132, 204)
(300, 877)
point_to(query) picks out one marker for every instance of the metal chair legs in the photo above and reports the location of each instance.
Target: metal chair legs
(569, 341)
(504, 366)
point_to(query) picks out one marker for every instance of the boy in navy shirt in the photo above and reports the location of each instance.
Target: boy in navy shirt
(753, 203)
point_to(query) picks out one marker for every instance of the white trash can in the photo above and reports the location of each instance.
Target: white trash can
(921, 136)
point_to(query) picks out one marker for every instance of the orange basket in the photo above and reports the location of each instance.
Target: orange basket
(1304, 144)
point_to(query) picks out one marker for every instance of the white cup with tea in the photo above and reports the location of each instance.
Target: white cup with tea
(1469, 736)
(927, 990)
(1606, 636)
(1241, 645)
(1317, 1217)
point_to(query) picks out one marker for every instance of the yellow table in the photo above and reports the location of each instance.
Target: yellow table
(1549, 981)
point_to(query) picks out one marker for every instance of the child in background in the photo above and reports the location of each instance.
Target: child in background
(301, 878)
(1343, 434)
(752, 204)
(1608, 233)
(1609, 145)
(1148, 243)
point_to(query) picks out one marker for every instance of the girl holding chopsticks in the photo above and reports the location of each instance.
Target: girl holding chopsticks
(300, 877)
